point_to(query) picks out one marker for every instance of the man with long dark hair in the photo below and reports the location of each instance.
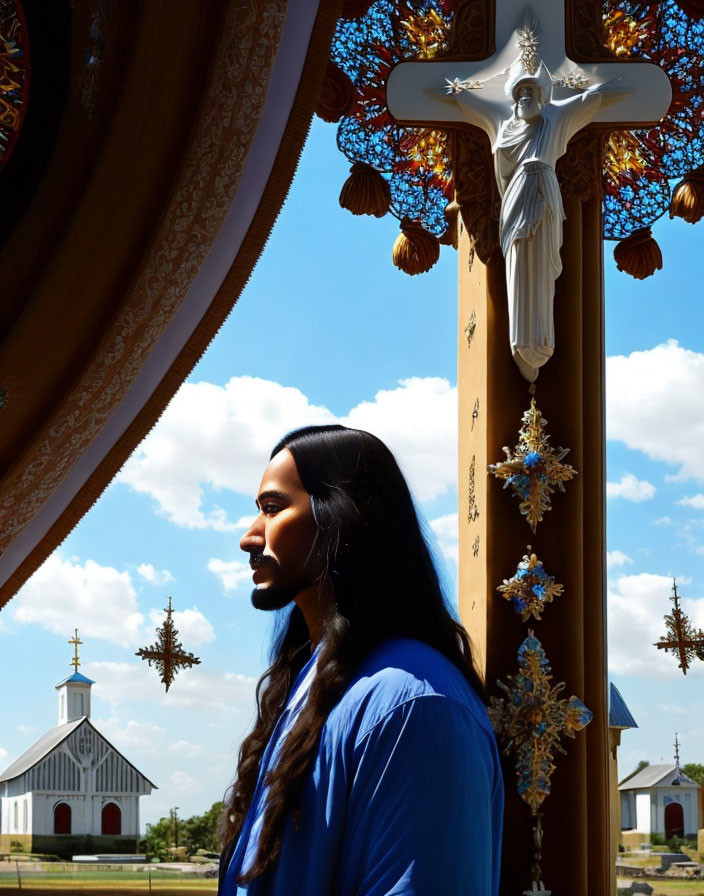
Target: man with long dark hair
(372, 768)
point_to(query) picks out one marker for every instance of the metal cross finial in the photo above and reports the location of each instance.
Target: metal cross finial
(677, 751)
(75, 662)
(682, 638)
(168, 654)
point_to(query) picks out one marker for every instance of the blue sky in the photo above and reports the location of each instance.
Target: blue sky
(328, 329)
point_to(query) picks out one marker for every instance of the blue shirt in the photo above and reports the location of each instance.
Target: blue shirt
(405, 795)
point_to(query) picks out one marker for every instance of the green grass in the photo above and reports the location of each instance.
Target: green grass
(105, 883)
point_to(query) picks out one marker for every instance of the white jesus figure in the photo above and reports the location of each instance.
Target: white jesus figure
(526, 146)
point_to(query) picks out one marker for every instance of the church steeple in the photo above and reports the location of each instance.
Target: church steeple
(74, 691)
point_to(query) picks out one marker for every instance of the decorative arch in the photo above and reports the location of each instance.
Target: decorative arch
(62, 818)
(111, 820)
(674, 820)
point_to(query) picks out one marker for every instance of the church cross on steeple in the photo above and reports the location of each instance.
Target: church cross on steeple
(75, 662)
(677, 751)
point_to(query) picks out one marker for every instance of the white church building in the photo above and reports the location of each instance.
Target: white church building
(660, 799)
(72, 791)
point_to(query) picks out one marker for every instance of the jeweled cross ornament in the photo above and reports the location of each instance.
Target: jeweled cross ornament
(530, 723)
(530, 99)
(75, 662)
(168, 654)
(682, 638)
(534, 469)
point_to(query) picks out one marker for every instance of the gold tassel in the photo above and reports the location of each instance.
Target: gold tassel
(365, 192)
(688, 197)
(415, 250)
(337, 95)
(452, 211)
(638, 255)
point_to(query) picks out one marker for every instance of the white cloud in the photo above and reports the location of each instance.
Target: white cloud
(695, 501)
(418, 421)
(446, 532)
(233, 574)
(637, 605)
(617, 558)
(220, 437)
(3, 754)
(185, 748)
(155, 576)
(662, 521)
(193, 628)
(630, 488)
(194, 688)
(182, 784)
(25, 729)
(655, 404)
(62, 594)
(144, 737)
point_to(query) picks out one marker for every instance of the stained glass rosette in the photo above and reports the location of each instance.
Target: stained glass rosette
(414, 161)
(14, 75)
(639, 164)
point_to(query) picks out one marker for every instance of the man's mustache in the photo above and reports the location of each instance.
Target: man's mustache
(257, 559)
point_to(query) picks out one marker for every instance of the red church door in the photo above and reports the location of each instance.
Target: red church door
(111, 821)
(674, 820)
(62, 819)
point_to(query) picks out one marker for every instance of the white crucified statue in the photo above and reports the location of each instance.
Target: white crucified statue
(530, 98)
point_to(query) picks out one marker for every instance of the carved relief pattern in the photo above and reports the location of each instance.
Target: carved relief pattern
(196, 213)
(475, 189)
(585, 32)
(471, 328)
(472, 509)
(475, 547)
(473, 28)
(578, 169)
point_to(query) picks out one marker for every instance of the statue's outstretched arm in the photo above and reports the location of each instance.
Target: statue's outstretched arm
(474, 108)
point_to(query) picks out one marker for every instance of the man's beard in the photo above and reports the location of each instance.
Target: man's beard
(274, 597)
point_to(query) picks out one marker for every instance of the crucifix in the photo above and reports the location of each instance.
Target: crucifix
(530, 98)
(530, 295)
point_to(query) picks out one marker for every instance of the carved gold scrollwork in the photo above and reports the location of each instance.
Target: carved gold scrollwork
(475, 413)
(475, 547)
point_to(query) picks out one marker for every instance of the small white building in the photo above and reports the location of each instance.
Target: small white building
(72, 791)
(660, 799)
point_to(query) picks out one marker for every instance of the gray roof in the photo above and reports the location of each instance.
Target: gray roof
(47, 743)
(619, 714)
(654, 776)
(40, 749)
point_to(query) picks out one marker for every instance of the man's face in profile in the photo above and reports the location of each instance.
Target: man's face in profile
(280, 539)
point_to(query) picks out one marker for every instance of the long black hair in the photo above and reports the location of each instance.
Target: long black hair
(370, 548)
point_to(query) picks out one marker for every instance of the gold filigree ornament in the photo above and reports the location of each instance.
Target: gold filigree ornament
(530, 588)
(533, 470)
(168, 654)
(682, 639)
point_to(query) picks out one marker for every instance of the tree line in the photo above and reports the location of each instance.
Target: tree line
(192, 834)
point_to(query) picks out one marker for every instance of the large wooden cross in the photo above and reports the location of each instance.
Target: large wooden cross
(579, 846)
